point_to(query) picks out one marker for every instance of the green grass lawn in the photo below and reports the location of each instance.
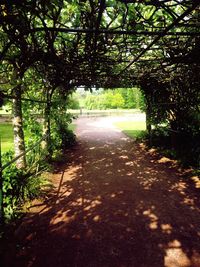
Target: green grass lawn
(134, 129)
(5, 112)
(6, 134)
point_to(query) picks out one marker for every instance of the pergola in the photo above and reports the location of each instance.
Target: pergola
(100, 43)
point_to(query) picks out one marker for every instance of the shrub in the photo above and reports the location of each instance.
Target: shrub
(21, 185)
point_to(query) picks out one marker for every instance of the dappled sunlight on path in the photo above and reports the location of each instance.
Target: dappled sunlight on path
(114, 204)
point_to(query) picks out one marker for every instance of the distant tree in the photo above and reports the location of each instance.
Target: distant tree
(117, 101)
(112, 98)
(73, 102)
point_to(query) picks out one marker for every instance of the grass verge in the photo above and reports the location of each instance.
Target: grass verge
(134, 129)
(6, 133)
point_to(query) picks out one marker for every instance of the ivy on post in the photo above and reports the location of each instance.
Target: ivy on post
(1, 179)
(19, 144)
(1, 193)
(148, 93)
(148, 118)
(46, 146)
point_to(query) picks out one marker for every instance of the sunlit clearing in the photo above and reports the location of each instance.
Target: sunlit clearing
(153, 219)
(92, 204)
(175, 256)
(61, 217)
(188, 201)
(196, 180)
(129, 163)
(180, 186)
(70, 174)
(164, 160)
(153, 225)
(96, 218)
(166, 228)
(142, 145)
(123, 157)
(152, 151)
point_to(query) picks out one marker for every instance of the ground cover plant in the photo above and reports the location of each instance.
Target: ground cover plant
(22, 185)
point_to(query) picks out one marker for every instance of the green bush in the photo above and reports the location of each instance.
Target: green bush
(182, 145)
(73, 103)
(61, 136)
(21, 185)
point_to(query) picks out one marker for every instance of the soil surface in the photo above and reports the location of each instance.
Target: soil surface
(114, 204)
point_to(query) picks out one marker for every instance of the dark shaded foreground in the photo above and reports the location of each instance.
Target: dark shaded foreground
(114, 205)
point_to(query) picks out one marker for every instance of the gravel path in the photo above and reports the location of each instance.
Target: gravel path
(114, 204)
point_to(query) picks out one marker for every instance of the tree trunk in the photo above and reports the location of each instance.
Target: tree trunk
(1, 193)
(148, 121)
(46, 146)
(19, 144)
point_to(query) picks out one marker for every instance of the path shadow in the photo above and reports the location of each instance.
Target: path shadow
(115, 205)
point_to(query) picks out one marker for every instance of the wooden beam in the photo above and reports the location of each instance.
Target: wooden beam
(196, 3)
(112, 31)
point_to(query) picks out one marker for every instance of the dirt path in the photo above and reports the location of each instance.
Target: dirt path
(114, 204)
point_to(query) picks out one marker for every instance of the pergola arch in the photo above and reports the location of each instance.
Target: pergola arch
(102, 43)
(99, 41)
